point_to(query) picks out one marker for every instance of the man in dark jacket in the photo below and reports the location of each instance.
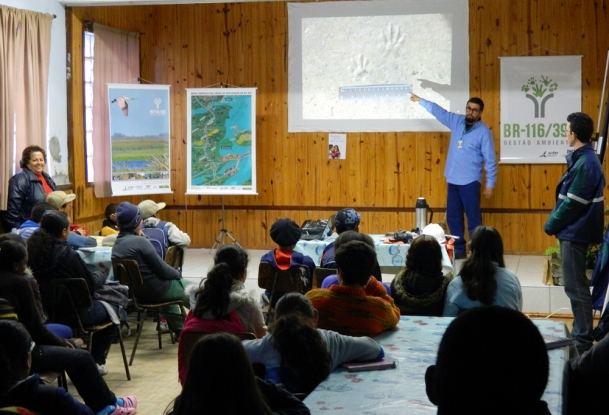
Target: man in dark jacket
(577, 221)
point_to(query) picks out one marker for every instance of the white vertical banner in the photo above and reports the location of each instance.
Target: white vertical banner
(139, 133)
(537, 95)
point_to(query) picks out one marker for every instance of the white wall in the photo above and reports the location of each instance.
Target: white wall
(58, 114)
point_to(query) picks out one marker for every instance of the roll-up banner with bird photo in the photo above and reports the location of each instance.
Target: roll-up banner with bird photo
(139, 137)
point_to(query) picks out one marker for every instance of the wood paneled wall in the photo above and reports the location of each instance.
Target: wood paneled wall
(245, 45)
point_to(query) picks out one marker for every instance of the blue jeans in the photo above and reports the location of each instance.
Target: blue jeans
(577, 289)
(463, 199)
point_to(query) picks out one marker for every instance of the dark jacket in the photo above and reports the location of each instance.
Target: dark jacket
(24, 191)
(42, 399)
(17, 291)
(156, 274)
(588, 381)
(419, 295)
(578, 214)
(66, 263)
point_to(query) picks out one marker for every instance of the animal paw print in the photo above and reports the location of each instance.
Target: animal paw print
(358, 66)
(392, 38)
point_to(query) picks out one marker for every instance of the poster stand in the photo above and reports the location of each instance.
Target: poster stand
(221, 238)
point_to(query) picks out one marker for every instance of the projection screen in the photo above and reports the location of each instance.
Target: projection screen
(352, 65)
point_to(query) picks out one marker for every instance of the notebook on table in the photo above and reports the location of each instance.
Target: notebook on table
(382, 364)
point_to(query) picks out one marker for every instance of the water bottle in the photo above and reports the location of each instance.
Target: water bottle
(420, 210)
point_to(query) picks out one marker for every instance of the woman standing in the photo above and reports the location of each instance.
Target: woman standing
(28, 187)
(483, 279)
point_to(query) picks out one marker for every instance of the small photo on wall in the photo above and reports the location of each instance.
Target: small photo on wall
(337, 146)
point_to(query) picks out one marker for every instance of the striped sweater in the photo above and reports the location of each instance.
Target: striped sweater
(355, 311)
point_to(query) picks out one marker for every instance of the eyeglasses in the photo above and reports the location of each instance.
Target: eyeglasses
(568, 131)
(472, 110)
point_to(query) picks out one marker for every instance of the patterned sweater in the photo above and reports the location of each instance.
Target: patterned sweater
(355, 311)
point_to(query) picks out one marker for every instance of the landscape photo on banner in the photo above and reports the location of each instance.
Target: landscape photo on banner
(139, 136)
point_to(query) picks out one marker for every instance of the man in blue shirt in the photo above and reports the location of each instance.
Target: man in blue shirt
(471, 147)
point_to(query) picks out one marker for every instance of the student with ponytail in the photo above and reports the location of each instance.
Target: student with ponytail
(300, 356)
(221, 303)
(483, 279)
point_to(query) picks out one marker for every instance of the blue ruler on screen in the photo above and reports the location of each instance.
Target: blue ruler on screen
(375, 91)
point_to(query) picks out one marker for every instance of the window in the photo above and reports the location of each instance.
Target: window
(89, 42)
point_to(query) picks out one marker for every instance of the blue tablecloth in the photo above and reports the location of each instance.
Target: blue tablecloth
(98, 259)
(388, 255)
(401, 391)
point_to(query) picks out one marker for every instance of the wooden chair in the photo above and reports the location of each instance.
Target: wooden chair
(278, 282)
(175, 257)
(75, 292)
(319, 274)
(127, 271)
(190, 338)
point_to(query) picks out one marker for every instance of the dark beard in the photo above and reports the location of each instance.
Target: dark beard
(469, 120)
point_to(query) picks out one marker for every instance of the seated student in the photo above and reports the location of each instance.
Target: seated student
(345, 220)
(173, 234)
(17, 388)
(52, 354)
(15, 262)
(33, 224)
(299, 355)
(588, 382)
(222, 303)
(491, 360)
(51, 258)
(419, 288)
(161, 281)
(343, 238)
(109, 225)
(483, 279)
(62, 201)
(27, 228)
(286, 233)
(359, 306)
(221, 381)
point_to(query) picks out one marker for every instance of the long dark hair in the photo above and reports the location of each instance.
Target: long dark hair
(478, 270)
(11, 252)
(220, 380)
(40, 245)
(305, 360)
(213, 293)
(425, 256)
(15, 344)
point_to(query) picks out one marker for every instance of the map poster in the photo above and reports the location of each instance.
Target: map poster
(221, 141)
(139, 137)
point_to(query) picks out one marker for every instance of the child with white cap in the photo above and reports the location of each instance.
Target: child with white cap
(149, 209)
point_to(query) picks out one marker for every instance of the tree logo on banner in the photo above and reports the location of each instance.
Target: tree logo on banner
(539, 89)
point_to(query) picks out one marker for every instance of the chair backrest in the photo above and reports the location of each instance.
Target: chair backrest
(127, 272)
(71, 291)
(319, 274)
(188, 339)
(175, 257)
(294, 279)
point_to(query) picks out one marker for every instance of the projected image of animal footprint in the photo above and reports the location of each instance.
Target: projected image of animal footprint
(358, 67)
(392, 38)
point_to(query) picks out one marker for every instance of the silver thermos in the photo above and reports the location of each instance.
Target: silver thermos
(420, 210)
